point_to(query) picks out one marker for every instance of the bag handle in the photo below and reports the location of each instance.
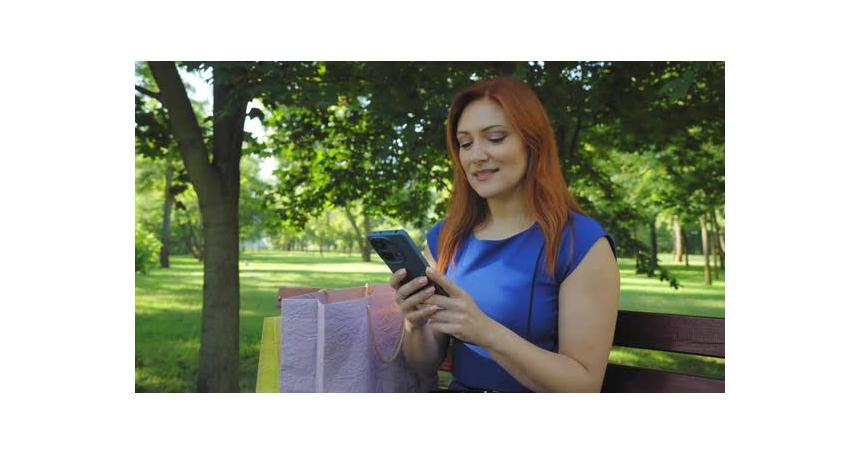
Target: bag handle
(376, 347)
(368, 291)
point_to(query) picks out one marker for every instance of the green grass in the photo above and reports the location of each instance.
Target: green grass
(168, 304)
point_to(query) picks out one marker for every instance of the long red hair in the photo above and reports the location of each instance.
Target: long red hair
(547, 196)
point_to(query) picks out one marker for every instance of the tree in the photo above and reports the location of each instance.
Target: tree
(377, 136)
(372, 137)
(678, 236)
(696, 188)
(360, 232)
(215, 176)
(213, 163)
(154, 141)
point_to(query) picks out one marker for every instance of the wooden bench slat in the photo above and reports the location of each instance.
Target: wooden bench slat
(674, 333)
(622, 378)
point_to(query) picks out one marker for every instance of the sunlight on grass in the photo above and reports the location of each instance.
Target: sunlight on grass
(168, 305)
(669, 361)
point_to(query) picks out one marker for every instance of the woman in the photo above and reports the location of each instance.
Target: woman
(533, 283)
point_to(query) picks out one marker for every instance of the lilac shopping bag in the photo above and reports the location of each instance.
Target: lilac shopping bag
(345, 340)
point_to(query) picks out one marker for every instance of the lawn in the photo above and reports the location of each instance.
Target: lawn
(168, 304)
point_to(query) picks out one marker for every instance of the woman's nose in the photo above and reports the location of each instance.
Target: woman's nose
(479, 151)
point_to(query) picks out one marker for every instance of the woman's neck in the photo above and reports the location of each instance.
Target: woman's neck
(508, 214)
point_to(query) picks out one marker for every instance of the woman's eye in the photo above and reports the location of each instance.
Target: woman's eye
(497, 139)
(466, 145)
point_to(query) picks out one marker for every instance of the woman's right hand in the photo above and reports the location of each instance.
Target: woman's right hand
(411, 296)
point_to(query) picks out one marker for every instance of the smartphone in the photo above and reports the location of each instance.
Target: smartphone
(399, 251)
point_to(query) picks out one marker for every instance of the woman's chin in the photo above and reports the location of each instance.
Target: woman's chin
(486, 193)
(493, 191)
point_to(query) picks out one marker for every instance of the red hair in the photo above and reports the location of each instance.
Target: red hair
(546, 193)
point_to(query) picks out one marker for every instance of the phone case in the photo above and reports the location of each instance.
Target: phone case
(399, 251)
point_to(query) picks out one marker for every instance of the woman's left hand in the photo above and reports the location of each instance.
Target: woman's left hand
(459, 315)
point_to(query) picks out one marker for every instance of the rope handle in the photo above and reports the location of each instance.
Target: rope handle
(368, 291)
(373, 338)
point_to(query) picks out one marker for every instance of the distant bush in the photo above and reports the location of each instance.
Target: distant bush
(146, 249)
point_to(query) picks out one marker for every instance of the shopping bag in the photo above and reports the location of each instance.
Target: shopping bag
(345, 340)
(285, 292)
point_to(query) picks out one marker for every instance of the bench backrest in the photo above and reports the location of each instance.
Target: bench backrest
(662, 332)
(666, 332)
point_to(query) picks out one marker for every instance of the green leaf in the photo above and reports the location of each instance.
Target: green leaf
(677, 88)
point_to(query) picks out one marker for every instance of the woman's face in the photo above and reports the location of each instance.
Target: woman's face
(493, 156)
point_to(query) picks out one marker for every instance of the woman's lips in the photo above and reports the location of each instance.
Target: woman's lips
(485, 175)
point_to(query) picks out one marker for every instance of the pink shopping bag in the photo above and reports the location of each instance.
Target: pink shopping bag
(345, 340)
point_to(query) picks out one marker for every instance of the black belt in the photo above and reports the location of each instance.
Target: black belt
(456, 386)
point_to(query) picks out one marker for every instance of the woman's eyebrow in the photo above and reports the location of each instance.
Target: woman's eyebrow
(483, 129)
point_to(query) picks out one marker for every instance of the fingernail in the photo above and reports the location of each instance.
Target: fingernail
(429, 271)
(422, 280)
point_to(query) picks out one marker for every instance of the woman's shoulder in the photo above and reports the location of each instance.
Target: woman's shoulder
(436, 229)
(580, 235)
(583, 225)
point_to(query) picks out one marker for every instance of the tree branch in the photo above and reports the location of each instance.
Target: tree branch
(148, 92)
(185, 127)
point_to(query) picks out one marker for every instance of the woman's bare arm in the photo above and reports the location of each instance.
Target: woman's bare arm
(588, 308)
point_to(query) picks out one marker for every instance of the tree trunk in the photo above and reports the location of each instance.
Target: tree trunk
(165, 219)
(715, 255)
(719, 241)
(194, 247)
(653, 228)
(362, 236)
(677, 232)
(219, 340)
(365, 245)
(217, 185)
(686, 250)
(720, 254)
(723, 244)
(705, 250)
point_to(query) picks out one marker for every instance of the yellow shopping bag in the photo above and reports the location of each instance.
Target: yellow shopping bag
(269, 368)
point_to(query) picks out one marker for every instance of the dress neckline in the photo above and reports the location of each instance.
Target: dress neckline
(474, 237)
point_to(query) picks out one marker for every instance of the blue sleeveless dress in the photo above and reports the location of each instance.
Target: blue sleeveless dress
(500, 275)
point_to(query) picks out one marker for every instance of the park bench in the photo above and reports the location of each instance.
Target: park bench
(704, 336)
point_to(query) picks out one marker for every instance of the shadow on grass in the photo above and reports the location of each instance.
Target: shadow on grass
(167, 349)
